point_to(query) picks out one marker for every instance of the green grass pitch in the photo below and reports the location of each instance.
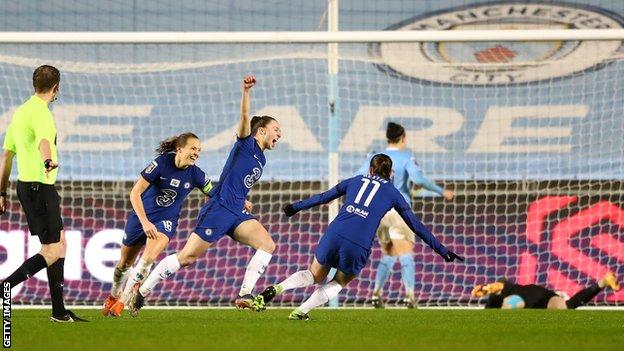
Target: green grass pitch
(343, 329)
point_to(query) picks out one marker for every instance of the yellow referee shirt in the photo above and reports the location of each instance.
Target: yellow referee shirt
(31, 123)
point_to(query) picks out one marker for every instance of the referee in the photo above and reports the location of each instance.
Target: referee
(32, 137)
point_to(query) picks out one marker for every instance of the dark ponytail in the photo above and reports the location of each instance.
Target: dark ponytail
(260, 122)
(175, 142)
(381, 165)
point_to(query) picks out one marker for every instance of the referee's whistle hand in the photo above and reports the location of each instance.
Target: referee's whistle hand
(52, 166)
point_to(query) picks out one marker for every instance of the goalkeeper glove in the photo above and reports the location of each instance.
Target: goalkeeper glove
(492, 288)
(451, 256)
(478, 291)
(289, 210)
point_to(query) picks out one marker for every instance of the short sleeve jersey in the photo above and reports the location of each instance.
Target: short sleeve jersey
(404, 169)
(242, 170)
(367, 199)
(31, 123)
(169, 186)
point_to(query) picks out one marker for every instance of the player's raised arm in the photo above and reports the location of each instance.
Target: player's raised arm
(244, 125)
(322, 198)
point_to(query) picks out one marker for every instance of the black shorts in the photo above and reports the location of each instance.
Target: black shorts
(42, 205)
(535, 296)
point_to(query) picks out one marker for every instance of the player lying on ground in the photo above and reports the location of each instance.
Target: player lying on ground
(224, 213)
(347, 242)
(157, 199)
(507, 295)
(395, 238)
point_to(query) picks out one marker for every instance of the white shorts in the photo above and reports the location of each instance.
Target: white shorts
(392, 227)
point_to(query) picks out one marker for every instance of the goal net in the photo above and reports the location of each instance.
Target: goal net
(527, 134)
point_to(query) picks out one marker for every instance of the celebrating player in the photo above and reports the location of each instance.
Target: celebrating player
(347, 242)
(507, 295)
(395, 237)
(157, 199)
(224, 213)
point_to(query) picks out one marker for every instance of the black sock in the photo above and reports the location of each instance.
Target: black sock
(583, 296)
(29, 268)
(56, 280)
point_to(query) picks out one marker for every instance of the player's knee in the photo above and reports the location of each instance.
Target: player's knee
(186, 260)
(268, 246)
(318, 277)
(50, 253)
(62, 247)
(557, 303)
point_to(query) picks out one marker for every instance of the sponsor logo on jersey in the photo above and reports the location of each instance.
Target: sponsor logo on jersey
(174, 182)
(495, 63)
(208, 232)
(187, 185)
(167, 198)
(252, 178)
(358, 211)
(151, 167)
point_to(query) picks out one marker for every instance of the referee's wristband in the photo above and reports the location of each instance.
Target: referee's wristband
(46, 163)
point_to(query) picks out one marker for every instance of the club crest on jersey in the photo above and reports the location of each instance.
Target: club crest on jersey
(496, 63)
(174, 182)
(251, 179)
(151, 167)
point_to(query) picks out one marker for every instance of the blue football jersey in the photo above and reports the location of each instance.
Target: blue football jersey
(169, 186)
(405, 169)
(242, 170)
(366, 200)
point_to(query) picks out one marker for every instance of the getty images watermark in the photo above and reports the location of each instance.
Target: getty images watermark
(6, 315)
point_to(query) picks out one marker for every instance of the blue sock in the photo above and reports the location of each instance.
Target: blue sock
(383, 272)
(408, 273)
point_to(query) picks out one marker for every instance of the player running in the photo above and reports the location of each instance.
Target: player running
(347, 242)
(396, 239)
(224, 213)
(507, 295)
(156, 199)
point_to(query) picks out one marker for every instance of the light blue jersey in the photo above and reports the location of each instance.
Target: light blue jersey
(405, 169)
